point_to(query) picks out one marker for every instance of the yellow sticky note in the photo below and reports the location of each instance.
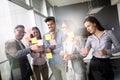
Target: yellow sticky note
(39, 42)
(34, 40)
(49, 55)
(47, 37)
(70, 34)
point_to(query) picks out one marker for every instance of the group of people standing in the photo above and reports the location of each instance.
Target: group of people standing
(67, 53)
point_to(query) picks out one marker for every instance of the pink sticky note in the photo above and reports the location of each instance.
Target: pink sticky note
(34, 47)
(52, 42)
(84, 51)
(29, 31)
(27, 38)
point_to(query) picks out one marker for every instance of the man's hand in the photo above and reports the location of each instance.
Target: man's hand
(48, 50)
(102, 52)
(68, 57)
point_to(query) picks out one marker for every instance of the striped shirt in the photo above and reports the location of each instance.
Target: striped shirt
(105, 42)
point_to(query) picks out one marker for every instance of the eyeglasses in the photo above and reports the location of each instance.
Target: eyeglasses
(20, 31)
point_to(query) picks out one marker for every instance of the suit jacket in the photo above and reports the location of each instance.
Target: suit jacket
(19, 63)
(78, 64)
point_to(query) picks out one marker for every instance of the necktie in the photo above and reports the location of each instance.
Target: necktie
(21, 45)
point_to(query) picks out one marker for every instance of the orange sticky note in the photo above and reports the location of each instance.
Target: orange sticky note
(29, 31)
(34, 47)
(39, 42)
(34, 40)
(47, 37)
(27, 38)
(49, 55)
(70, 34)
(52, 42)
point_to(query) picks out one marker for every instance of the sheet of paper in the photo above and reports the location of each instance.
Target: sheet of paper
(52, 42)
(40, 42)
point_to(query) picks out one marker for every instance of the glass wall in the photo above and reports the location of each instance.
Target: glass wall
(14, 12)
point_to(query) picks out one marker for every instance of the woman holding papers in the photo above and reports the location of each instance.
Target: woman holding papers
(40, 67)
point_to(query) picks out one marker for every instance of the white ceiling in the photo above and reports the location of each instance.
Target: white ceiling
(60, 3)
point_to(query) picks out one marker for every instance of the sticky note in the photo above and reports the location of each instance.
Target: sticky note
(27, 38)
(34, 40)
(47, 37)
(34, 47)
(29, 31)
(84, 50)
(52, 42)
(49, 55)
(70, 34)
(39, 42)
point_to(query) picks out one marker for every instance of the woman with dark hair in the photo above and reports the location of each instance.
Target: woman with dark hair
(101, 42)
(40, 67)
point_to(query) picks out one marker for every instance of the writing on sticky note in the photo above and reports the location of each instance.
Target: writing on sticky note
(48, 55)
(47, 37)
(27, 38)
(34, 47)
(70, 34)
(52, 42)
(39, 42)
(34, 40)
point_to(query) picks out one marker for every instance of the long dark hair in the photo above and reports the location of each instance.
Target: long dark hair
(94, 20)
(38, 32)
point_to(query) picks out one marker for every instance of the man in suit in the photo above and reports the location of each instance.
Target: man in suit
(16, 53)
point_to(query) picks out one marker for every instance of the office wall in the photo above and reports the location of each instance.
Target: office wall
(73, 14)
(76, 14)
(109, 18)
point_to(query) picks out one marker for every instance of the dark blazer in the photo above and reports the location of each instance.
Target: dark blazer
(19, 63)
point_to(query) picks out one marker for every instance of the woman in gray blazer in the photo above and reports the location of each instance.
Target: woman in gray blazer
(71, 45)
